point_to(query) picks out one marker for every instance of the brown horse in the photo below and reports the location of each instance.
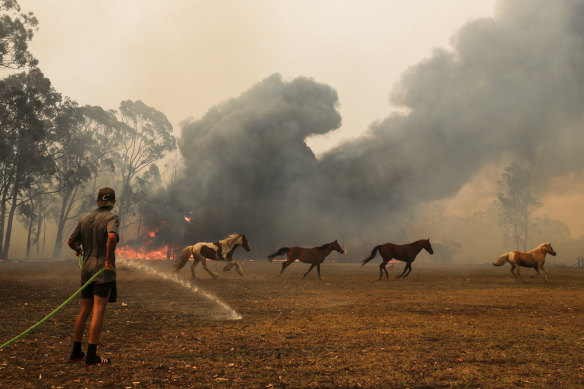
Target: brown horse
(534, 258)
(402, 252)
(315, 256)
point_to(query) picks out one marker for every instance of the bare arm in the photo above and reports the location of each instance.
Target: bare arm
(112, 242)
(75, 246)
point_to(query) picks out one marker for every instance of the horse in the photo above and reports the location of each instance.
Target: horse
(534, 258)
(315, 256)
(218, 251)
(402, 252)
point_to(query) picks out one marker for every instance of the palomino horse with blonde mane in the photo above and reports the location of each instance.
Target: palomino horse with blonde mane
(534, 258)
(315, 256)
(218, 251)
(402, 252)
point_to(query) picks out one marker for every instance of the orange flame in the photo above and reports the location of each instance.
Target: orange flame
(188, 219)
(128, 252)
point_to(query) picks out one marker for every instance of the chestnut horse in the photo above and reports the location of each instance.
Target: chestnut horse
(402, 252)
(534, 258)
(315, 256)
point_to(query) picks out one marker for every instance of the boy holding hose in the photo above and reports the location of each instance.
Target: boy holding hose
(95, 237)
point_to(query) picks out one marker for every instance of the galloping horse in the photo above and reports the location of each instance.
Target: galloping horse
(534, 258)
(218, 251)
(402, 252)
(315, 256)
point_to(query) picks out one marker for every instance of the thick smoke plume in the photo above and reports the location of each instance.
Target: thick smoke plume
(511, 89)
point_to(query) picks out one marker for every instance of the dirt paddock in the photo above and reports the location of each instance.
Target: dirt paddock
(456, 326)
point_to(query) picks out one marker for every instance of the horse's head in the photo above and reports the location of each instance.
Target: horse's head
(335, 246)
(427, 246)
(244, 243)
(549, 249)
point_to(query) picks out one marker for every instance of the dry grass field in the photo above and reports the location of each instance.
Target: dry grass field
(455, 326)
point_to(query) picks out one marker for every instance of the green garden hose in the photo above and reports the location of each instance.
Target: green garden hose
(55, 311)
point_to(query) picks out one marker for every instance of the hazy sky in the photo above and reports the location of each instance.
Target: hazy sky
(184, 56)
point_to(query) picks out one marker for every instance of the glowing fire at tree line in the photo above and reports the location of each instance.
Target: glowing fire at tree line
(129, 252)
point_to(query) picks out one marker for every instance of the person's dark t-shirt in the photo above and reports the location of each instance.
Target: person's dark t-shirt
(92, 233)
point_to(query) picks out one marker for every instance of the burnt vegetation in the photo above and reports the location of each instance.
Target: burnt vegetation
(441, 327)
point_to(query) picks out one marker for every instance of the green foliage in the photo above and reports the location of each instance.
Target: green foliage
(143, 137)
(28, 103)
(16, 30)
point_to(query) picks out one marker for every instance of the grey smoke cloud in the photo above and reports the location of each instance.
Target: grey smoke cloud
(512, 88)
(247, 167)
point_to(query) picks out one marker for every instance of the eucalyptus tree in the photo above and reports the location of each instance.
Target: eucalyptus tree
(145, 185)
(144, 138)
(77, 150)
(16, 30)
(28, 103)
(515, 204)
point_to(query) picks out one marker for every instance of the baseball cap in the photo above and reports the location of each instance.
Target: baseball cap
(106, 194)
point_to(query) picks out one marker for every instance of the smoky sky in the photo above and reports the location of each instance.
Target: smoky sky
(511, 88)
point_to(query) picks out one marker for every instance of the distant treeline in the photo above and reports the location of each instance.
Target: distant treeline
(54, 154)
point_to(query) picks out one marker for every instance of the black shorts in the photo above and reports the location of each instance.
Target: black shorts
(101, 290)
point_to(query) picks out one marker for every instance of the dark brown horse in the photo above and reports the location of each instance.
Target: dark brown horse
(402, 252)
(315, 256)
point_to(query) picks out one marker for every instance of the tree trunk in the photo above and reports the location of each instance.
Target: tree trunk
(28, 237)
(39, 226)
(3, 217)
(61, 224)
(123, 203)
(10, 220)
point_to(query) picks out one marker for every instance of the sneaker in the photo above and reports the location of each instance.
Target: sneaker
(76, 357)
(96, 361)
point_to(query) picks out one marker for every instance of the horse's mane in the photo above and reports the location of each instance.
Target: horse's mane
(542, 245)
(231, 237)
(323, 246)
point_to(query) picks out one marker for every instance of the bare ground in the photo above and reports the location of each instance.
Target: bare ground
(456, 326)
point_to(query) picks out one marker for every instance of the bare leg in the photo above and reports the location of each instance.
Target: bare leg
(513, 272)
(99, 305)
(84, 312)
(537, 270)
(318, 270)
(309, 269)
(519, 274)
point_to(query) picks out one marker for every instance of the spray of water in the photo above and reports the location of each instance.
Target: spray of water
(141, 266)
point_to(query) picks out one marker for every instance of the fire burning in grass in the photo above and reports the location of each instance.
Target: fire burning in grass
(129, 252)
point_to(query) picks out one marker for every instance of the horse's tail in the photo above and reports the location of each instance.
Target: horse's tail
(373, 254)
(184, 258)
(501, 260)
(283, 250)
